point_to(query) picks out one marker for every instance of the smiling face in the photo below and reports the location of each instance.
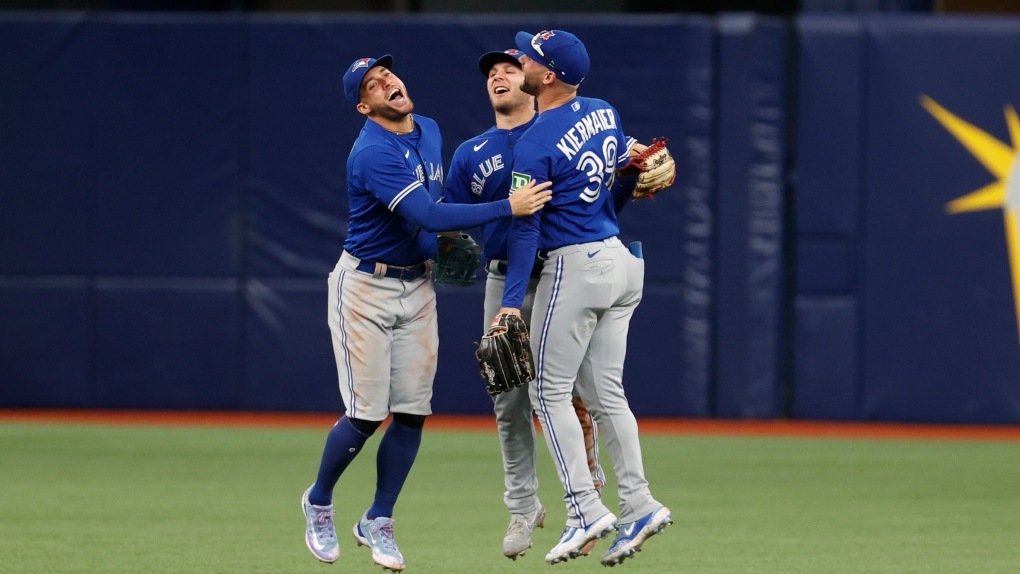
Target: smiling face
(383, 94)
(504, 87)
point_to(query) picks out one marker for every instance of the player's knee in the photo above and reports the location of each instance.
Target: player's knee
(366, 428)
(411, 421)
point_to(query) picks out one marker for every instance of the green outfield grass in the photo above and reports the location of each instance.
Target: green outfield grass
(139, 499)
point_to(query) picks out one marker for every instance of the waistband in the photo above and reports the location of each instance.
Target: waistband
(402, 273)
(499, 267)
(609, 242)
(378, 269)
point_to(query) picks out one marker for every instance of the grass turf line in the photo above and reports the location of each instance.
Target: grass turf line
(176, 499)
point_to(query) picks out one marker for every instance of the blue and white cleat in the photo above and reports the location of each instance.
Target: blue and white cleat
(320, 536)
(573, 540)
(377, 534)
(630, 536)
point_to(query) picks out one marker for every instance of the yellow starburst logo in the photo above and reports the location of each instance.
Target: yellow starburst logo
(1003, 162)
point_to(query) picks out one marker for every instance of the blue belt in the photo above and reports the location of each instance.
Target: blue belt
(402, 273)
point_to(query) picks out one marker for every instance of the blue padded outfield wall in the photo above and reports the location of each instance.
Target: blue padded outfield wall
(905, 308)
(172, 197)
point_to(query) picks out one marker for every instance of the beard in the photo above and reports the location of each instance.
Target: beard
(388, 112)
(529, 87)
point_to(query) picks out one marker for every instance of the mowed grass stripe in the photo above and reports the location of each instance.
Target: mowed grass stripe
(178, 499)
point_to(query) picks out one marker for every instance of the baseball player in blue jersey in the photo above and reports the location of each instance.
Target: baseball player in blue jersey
(480, 173)
(382, 304)
(589, 288)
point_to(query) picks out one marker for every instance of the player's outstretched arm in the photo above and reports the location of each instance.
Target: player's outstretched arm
(529, 198)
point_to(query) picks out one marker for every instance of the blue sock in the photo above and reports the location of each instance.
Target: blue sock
(343, 443)
(397, 450)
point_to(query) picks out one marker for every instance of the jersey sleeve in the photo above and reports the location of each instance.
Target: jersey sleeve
(622, 188)
(458, 181)
(384, 173)
(623, 157)
(531, 163)
(521, 249)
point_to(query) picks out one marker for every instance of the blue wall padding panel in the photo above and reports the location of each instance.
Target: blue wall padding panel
(47, 196)
(752, 175)
(300, 129)
(459, 387)
(168, 343)
(826, 358)
(651, 389)
(46, 342)
(830, 124)
(825, 265)
(939, 316)
(289, 362)
(166, 144)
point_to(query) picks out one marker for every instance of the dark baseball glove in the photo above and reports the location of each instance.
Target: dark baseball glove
(456, 261)
(504, 355)
(654, 168)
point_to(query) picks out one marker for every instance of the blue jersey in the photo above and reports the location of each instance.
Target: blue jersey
(578, 146)
(394, 184)
(480, 173)
(382, 170)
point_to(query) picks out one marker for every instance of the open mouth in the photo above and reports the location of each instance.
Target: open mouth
(501, 90)
(395, 95)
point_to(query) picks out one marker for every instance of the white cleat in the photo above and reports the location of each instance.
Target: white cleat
(377, 534)
(518, 535)
(574, 540)
(320, 537)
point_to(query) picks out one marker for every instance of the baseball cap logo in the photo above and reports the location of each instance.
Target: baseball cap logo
(362, 63)
(513, 53)
(536, 43)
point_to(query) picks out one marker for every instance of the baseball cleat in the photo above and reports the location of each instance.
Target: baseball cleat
(630, 536)
(573, 540)
(518, 535)
(320, 536)
(377, 534)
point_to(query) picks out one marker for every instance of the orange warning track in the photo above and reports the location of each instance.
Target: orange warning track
(487, 423)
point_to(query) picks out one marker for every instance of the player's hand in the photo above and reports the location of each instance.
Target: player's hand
(504, 311)
(529, 198)
(636, 149)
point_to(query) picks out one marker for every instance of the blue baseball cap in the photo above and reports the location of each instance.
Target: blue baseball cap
(561, 52)
(490, 59)
(356, 72)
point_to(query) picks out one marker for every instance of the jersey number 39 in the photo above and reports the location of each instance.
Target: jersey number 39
(600, 170)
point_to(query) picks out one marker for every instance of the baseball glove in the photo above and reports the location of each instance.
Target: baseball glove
(504, 355)
(456, 261)
(654, 168)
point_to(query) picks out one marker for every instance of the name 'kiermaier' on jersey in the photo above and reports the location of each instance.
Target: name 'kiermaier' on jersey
(595, 122)
(578, 146)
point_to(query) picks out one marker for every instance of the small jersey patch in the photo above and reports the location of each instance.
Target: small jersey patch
(519, 180)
